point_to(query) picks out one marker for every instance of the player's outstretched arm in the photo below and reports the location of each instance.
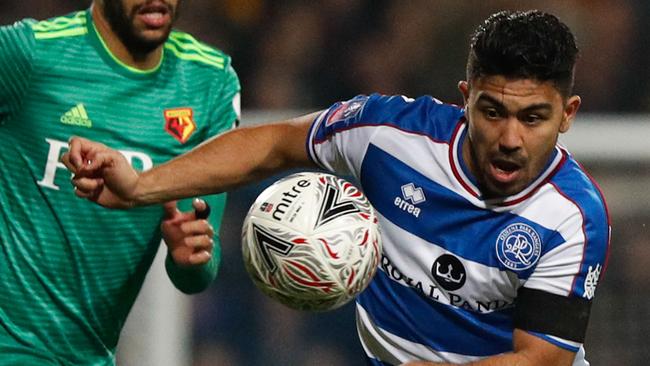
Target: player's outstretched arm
(100, 174)
(229, 160)
(529, 350)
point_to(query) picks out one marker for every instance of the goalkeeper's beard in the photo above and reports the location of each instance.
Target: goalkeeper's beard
(122, 22)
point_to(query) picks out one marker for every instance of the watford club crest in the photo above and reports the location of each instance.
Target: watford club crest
(179, 123)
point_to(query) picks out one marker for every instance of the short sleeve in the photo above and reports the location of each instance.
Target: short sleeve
(339, 138)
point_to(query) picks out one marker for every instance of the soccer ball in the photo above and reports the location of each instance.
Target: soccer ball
(311, 241)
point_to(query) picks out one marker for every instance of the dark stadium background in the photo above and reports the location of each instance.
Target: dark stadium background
(304, 55)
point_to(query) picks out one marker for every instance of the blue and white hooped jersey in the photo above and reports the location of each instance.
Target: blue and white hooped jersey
(455, 267)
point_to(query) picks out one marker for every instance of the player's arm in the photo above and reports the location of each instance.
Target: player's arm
(529, 350)
(220, 164)
(201, 245)
(192, 255)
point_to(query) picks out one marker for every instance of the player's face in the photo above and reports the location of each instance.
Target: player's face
(513, 126)
(142, 25)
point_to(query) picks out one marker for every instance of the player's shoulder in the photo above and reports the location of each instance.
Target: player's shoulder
(575, 184)
(27, 38)
(423, 115)
(16, 37)
(189, 49)
(393, 105)
(60, 27)
(23, 25)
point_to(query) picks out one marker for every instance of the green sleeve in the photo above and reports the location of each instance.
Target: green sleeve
(17, 46)
(196, 279)
(224, 116)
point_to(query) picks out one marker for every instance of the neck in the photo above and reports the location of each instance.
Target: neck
(141, 61)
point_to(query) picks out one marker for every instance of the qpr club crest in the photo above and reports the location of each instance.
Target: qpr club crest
(518, 247)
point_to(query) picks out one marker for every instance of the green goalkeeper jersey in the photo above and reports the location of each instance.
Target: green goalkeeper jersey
(70, 270)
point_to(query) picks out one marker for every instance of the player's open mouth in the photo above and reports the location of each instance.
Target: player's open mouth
(505, 171)
(155, 15)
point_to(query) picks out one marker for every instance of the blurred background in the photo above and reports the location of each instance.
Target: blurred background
(300, 55)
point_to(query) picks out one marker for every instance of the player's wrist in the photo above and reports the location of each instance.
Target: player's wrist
(141, 194)
(148, 189)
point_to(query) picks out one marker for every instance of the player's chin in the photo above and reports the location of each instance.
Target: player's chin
(494, 188)
(149, 39)
(152, 39)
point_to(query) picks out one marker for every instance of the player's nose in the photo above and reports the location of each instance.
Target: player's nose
(510, 138)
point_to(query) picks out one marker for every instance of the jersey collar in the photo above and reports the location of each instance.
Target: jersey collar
(115, 63)
(468, 181)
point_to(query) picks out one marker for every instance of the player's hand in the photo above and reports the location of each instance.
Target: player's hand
(188, 235)
(100, 174)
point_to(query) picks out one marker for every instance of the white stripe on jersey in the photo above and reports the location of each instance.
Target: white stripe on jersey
(427, 157)
(392, 349)
(488, 284)
(348, 162)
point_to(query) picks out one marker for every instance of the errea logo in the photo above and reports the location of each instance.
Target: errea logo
(413, 193)
(410, 193)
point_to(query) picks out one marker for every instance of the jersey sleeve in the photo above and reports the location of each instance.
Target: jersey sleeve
(17, 47)
(340, 135)
(196, 279)
(555, 301)
(225, 115)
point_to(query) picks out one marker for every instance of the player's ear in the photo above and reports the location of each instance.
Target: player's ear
(463, 86)
(570, 110)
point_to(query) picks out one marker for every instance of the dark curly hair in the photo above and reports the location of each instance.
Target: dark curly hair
(524, 44)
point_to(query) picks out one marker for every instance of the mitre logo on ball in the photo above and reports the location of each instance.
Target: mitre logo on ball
(311, 240)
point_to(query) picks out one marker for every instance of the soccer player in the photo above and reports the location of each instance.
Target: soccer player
(117, 73)
(494, 237)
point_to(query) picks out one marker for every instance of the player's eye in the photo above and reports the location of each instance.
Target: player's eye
(533, 118)
(491, 113)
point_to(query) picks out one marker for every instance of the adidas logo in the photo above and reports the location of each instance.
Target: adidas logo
(77, 116)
